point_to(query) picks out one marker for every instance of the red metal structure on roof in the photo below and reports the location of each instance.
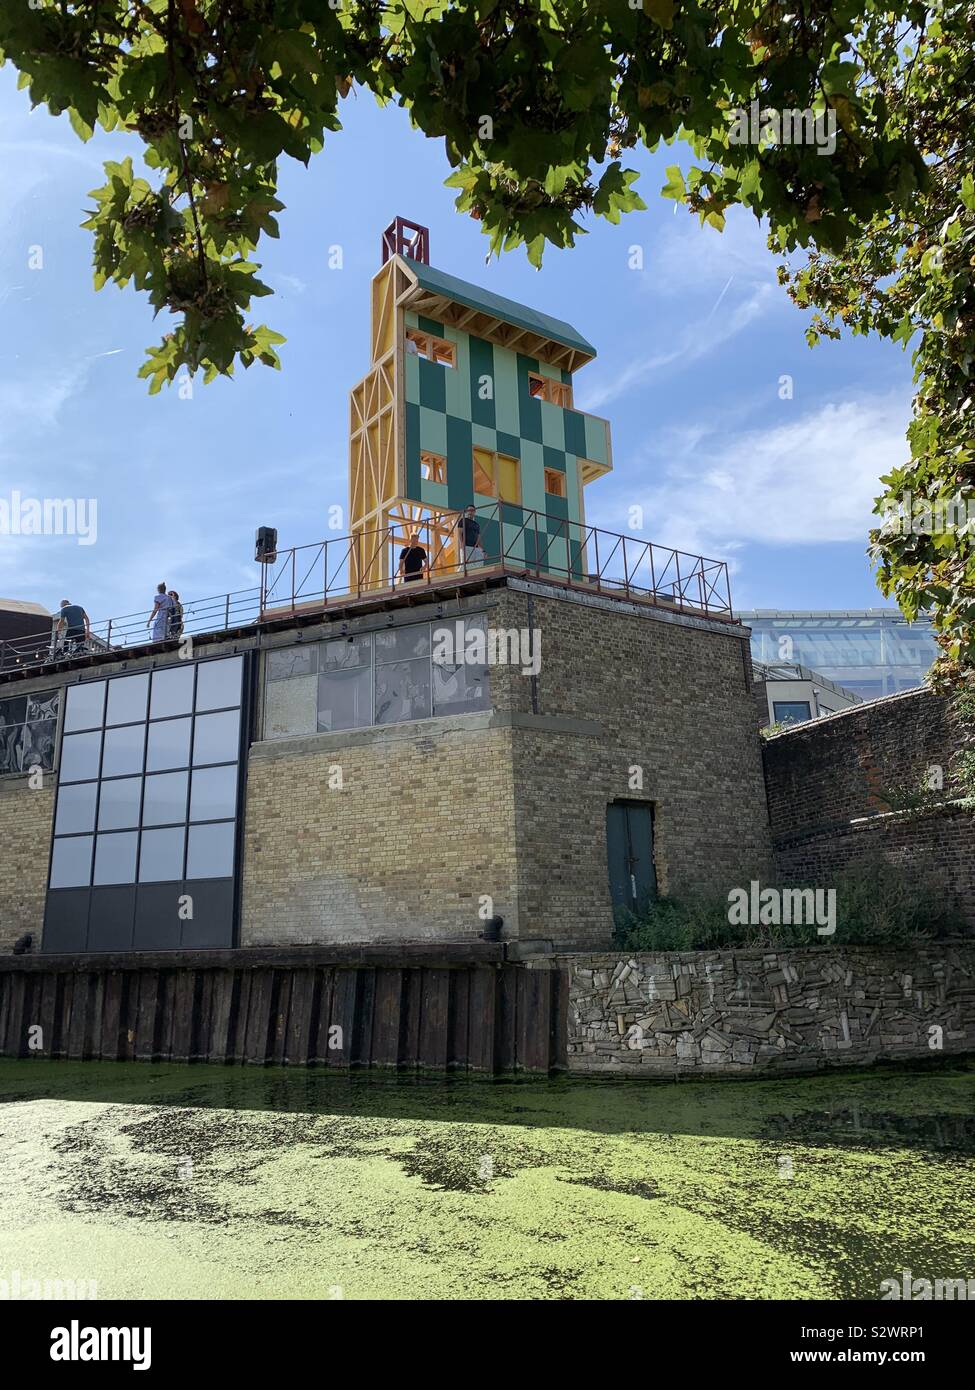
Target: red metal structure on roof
(405, 238)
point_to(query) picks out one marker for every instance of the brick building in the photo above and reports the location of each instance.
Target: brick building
(329, 767)
(218, 782)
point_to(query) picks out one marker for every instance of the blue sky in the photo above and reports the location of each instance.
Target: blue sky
(691, 350)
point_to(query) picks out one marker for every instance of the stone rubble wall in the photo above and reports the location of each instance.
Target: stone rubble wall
(755, 1011)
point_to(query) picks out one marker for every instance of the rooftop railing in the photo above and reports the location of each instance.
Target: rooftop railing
(514, 541)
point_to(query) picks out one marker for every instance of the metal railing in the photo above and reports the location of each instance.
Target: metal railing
(309, 577)
(200, 616)
(527, 543)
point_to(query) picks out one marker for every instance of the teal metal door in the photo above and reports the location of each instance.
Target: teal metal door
(629, 847)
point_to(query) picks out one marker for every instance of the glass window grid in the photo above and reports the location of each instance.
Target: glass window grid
(373, 661)
(190, 768)
(24, 724)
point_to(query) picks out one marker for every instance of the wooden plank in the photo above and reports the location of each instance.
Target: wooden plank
(166, 1013)
(324, 990)
(147, 1013)
(5, 986)
(387, 1018)
(83, 989)
(223, 1015)
(182, 1007)
(534, 1016)
(47, 1016)
(507, 1019)
(237, 1047)
(433, 1020)
(66, 992)
(365, 1002)
(93, 1030)
(202, 1014)
(458, 1020)
(412, 1010)
(279, 1022)
(481, 1027)
(108, 1039)
(342, 1017)
(559, 1033)
(18, 1018)
(258, 1030)
(128, 1015)
(300, 1031)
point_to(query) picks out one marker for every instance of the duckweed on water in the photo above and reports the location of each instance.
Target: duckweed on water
(175, 1181)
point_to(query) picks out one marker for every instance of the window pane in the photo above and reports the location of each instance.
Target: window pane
(403, 691)
(71, 862)
(13, 711)
(345, 699)
(290, 707)
(796, 710)
(127, 696)
(165, 798)
(211, 851)
(292, 661)
(216, 738)
(214, 793)
(172, 691)
(118, 804)
(39, 741)
(218, 683)
(123, 750)
(169, 744)
(161, 855)
(76, 808)
(80, 754)
(346, 652)
(400, 644)
(115, 858)
(11, 747)
(44, 706)
(84, 706)
(461, 684)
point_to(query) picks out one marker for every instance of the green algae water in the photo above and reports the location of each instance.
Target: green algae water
(212, 1182)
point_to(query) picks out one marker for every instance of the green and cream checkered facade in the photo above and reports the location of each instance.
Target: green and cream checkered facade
(485, 402)
(410, 405)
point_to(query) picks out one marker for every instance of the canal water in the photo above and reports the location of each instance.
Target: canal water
(212, 1182)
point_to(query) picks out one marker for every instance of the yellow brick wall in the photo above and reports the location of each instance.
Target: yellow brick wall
(25, 838)
(422, 826)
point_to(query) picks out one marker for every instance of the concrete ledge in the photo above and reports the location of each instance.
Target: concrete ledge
(410, 954)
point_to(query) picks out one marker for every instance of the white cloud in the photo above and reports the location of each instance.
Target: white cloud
(695, 340)
(806, 481)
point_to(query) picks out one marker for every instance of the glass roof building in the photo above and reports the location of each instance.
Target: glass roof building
(871, 651)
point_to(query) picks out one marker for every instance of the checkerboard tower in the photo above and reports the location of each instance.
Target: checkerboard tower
(468, 400)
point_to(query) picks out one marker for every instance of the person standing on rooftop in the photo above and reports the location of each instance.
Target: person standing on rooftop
(72, 625)
(159, 617)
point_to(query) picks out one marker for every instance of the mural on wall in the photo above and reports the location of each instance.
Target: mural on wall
(28, 731)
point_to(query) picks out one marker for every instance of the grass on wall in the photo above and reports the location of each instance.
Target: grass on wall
(877, 904)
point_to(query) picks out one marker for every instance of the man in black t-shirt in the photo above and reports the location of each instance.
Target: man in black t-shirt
(412, 560)
(471, 550)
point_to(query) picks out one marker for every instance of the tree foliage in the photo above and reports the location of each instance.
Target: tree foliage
(537, 102)
(909, 275)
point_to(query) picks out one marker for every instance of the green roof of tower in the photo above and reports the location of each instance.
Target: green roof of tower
(519, 315)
